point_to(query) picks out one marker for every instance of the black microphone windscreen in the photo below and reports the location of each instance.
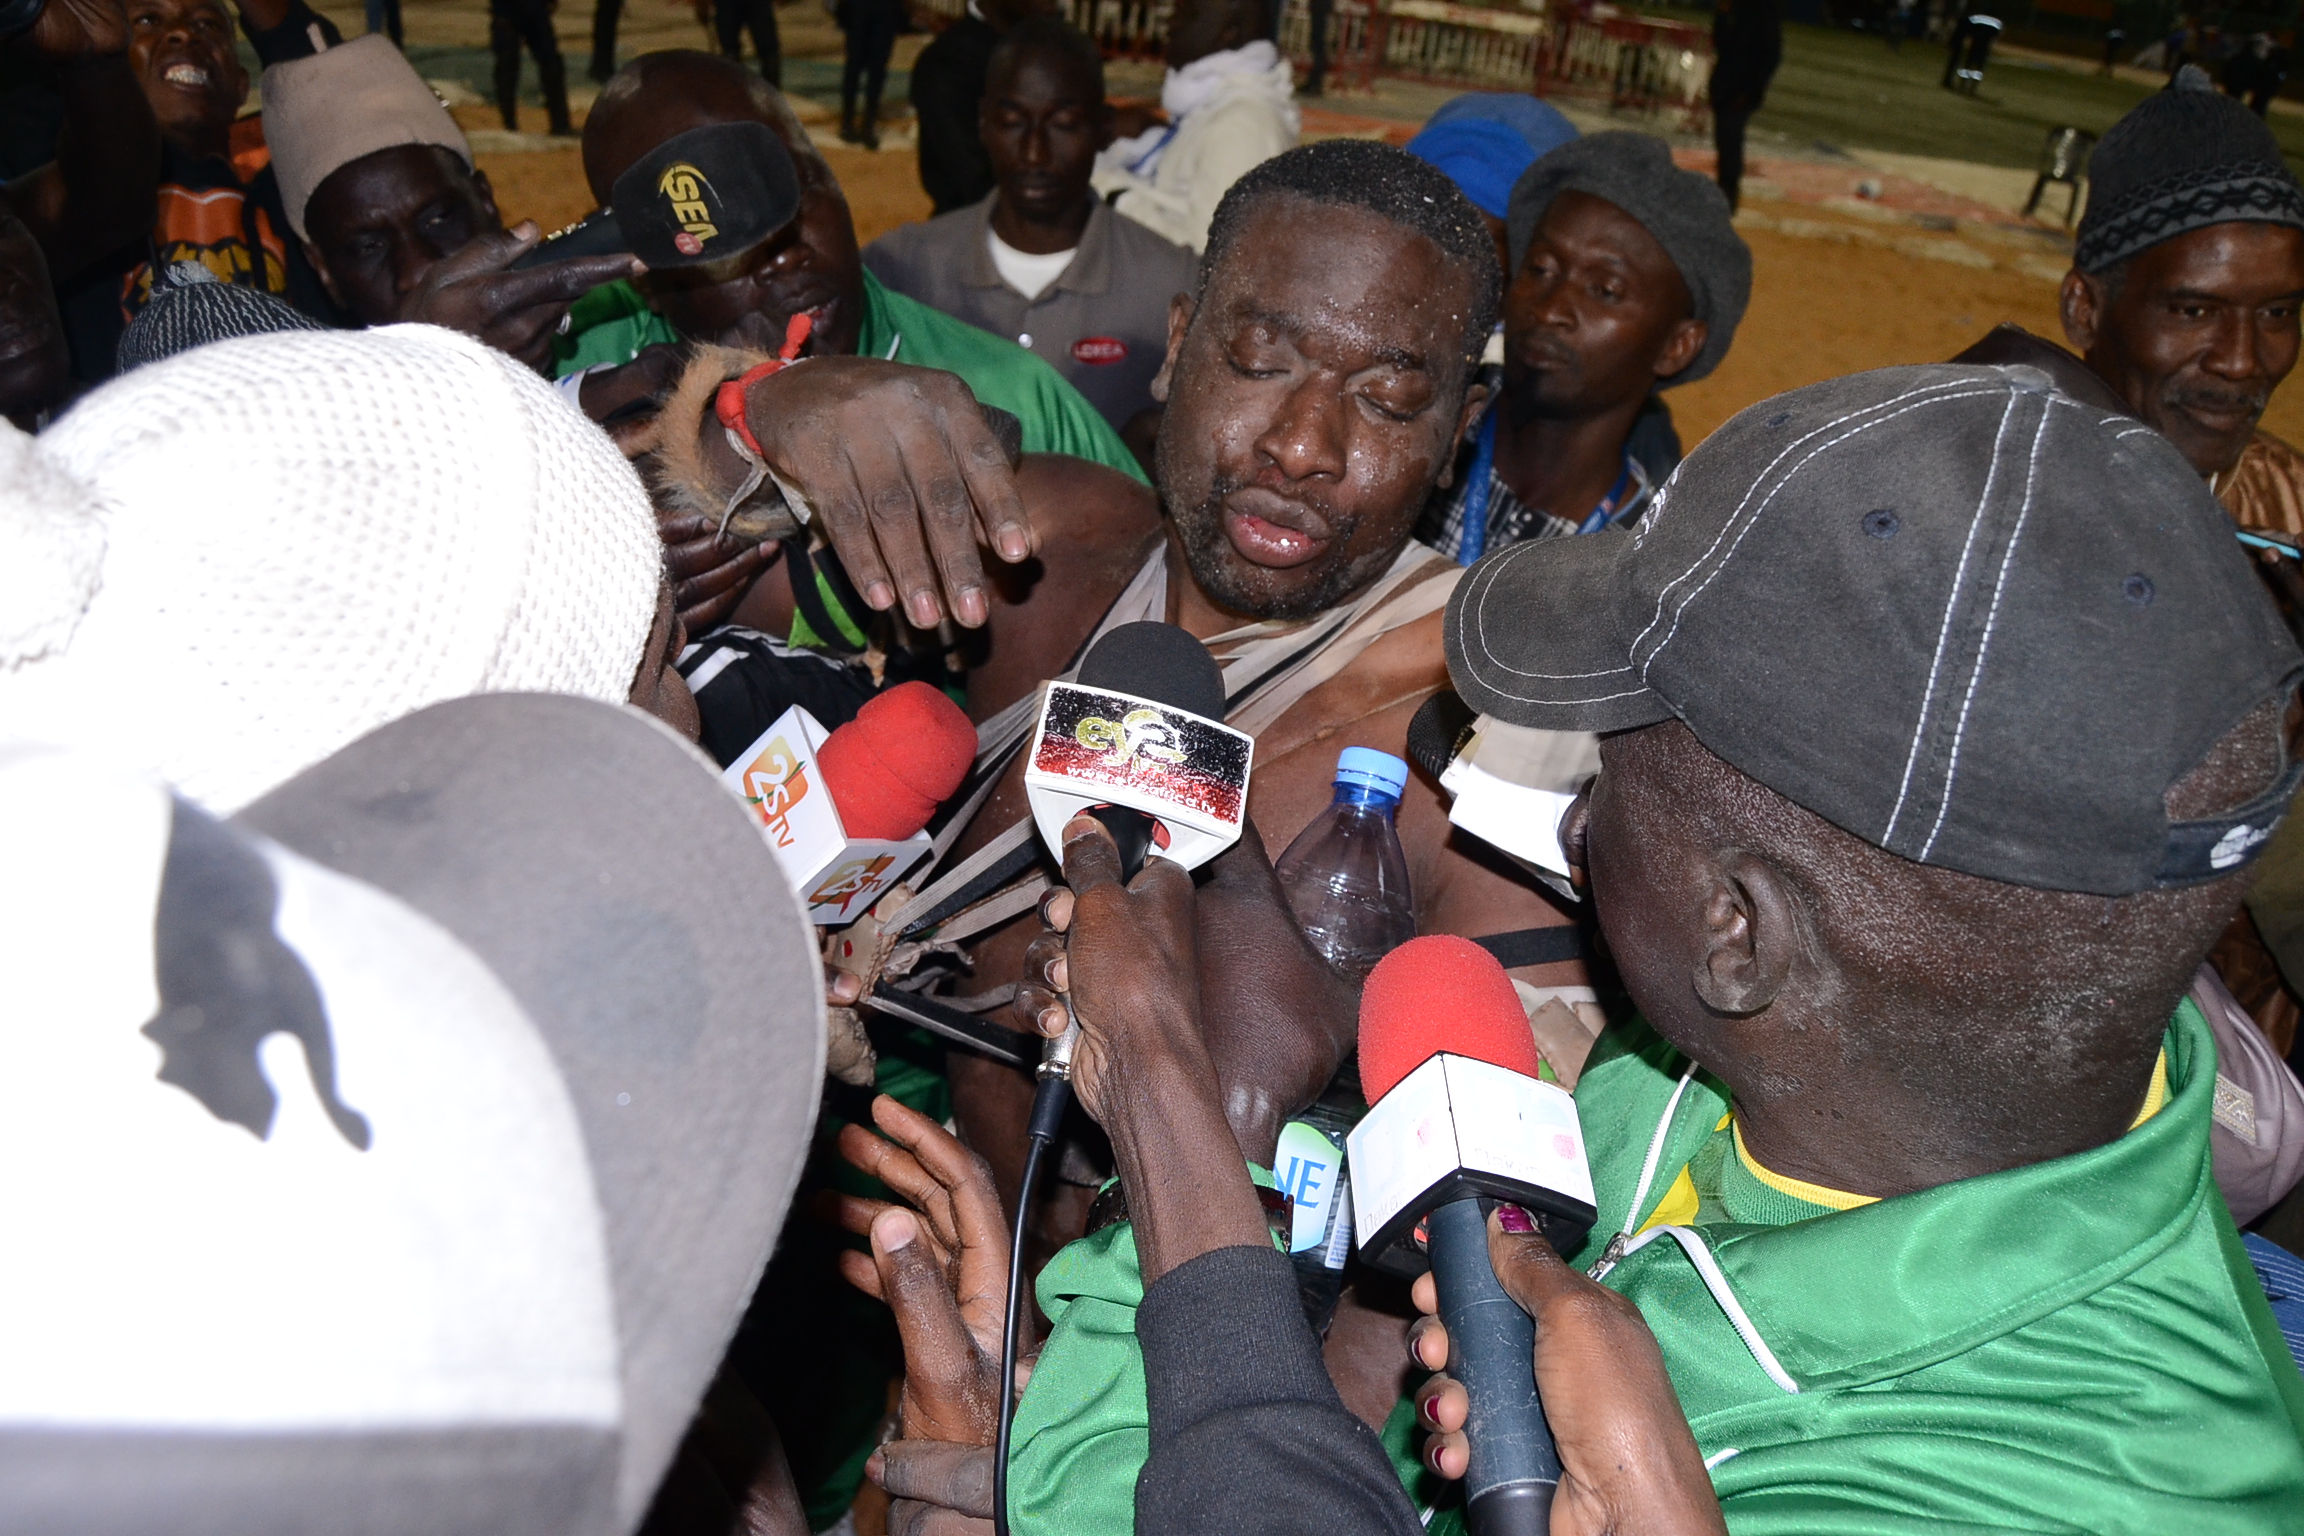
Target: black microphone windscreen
(1150, 660)
(1436, 731)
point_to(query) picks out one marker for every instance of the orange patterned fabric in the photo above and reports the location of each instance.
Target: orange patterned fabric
(2264, 492)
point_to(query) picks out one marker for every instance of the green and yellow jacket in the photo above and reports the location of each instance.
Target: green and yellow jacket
(2078, 1345)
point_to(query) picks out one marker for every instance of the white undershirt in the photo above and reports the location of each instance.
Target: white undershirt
(1028, 274)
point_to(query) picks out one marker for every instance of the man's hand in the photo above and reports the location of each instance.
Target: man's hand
(903, 473)
(938, 1489)
(477, 292)
(1129, 961)
(72, 31)
(1128, 957)
(710, 572)
(1628, 1461)
(942, 1267)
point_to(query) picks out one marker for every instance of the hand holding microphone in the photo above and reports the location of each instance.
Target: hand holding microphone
(1628, 1461)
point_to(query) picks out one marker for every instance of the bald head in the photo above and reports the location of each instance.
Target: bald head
(809, 266)
(659, 95)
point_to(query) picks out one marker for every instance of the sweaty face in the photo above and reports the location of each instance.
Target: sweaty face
(379, 223)
(1596, 312)
(35, 367)
(1314, 397)
(182, 53)
(1041, 125)
(2201, 330)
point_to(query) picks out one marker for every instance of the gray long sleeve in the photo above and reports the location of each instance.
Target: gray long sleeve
(1248, 1436)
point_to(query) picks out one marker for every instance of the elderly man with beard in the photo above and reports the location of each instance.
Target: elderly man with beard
(2185, 285)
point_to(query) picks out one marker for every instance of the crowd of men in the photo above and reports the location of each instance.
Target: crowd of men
(1926, 732)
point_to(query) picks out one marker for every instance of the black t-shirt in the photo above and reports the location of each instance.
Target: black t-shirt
(744, 679)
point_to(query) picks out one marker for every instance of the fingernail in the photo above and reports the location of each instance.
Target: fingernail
(895, 1230)
(1054, 1021)
(875, 1465)
(1513, 1219)
(1013, 545)
(923, 609)
(879, 595)
(1430, 1409)
(971, 605)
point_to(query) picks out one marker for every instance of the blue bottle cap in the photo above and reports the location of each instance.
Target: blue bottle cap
(1367, 768)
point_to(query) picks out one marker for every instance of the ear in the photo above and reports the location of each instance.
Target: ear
(1681, 348)
(1575, 826)
(1475, 399)
(2081, 301)
(1180, 311)
(320, 270)
(1752, 934)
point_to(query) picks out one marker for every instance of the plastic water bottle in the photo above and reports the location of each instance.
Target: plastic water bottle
(1345, 875)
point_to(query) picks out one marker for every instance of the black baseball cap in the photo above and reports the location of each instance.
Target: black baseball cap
(1952, 610)
(706, 194)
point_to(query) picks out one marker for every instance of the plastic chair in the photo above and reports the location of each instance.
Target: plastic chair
(2063, 158)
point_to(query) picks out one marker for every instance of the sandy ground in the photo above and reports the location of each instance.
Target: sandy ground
(1860, 259)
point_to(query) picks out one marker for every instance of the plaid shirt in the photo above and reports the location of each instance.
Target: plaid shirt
(1511, 520)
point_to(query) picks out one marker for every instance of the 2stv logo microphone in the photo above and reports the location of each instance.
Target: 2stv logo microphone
(844, 810)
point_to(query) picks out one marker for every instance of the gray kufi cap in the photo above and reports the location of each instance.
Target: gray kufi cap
(2186, 158)
(1684, 211)
(190, 307)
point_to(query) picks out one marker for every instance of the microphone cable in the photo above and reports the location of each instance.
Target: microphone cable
(1049, 1102)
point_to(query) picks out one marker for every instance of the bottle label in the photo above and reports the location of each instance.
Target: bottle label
(1307, 1169)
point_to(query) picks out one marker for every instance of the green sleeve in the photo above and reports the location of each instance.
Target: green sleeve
(608, 325)
(1067, 423)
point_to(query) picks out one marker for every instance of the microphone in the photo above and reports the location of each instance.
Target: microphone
(881, 775)
(1141, 732)
(1460, 1123)
(1137, 743)
(1486, 768)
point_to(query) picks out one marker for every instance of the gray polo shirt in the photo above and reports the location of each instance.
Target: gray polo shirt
(1103, 324)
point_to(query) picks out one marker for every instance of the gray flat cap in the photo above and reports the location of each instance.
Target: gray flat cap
(1685, 212)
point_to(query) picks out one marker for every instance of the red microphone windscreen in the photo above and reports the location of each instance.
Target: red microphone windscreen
(903, 755)
(1439, 993)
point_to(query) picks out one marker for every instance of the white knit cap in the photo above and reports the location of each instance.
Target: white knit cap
(51, 551)
(309, 534)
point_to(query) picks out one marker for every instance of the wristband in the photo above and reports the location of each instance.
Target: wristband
(728, 405)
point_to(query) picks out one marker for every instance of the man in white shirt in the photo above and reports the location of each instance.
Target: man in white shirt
(1043, 261)
(1230, 100)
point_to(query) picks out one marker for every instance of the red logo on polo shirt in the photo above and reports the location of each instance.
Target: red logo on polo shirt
(1099, 350)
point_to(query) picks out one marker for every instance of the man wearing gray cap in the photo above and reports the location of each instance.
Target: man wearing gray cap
(1626, 278)
(1942, 720)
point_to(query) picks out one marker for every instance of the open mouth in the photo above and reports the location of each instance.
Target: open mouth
(190, 76)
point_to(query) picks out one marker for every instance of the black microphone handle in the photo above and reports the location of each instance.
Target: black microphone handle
(1515, 1468)
(1132, 831)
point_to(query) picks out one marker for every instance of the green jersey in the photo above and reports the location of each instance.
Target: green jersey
(610, 325)
(2078, 1345)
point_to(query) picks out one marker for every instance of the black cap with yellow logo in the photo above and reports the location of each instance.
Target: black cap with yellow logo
(706, 194)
